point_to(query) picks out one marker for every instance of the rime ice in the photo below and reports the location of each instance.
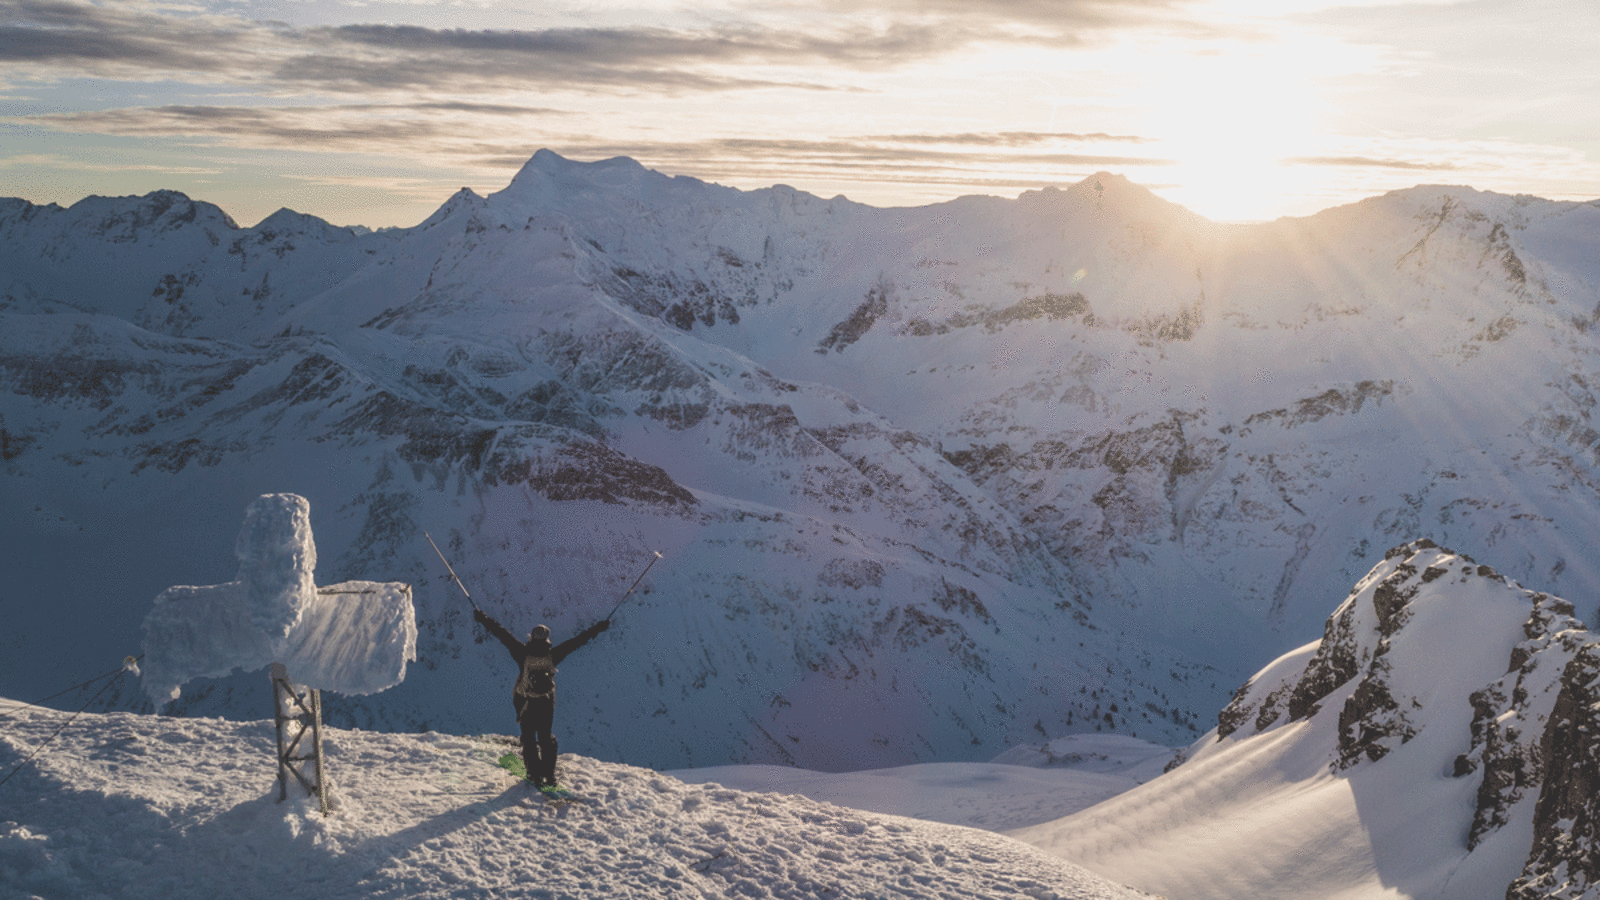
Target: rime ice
(350, 638)
(276, 559)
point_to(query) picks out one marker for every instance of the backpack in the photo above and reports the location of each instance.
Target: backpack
(538, 676)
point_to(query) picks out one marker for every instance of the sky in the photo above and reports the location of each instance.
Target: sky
(373, 113)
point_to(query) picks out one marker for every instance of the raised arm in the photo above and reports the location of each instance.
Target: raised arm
(583, 637)
(499, 631)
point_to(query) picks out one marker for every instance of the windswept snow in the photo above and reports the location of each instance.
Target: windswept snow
(350, 638)
(1395, 757)
(1023, 786)
(135, 806)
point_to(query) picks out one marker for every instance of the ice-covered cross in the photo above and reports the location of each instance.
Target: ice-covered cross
(350, 638)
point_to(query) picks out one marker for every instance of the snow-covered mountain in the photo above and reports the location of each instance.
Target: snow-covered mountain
(137, 807)
(928, 481)
(1437, 741)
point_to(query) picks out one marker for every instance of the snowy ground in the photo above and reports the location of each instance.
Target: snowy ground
(1021, 787)
(134, 806)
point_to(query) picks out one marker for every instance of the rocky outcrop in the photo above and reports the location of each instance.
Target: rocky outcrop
(1534, 744)
(1507, 723)
(1564, 863)
(845, 333)
(1355, 643)
(1354, 662)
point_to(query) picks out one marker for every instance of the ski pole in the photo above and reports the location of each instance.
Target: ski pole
(450, 568)
(635, 584)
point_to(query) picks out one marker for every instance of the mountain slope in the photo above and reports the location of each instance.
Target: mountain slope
(1415, 750)
(837, 593)
(129, 806)
(930, 482)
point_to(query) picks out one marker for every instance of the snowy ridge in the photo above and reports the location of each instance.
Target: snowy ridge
(1434, 743)
(930, 482)
(134, 806)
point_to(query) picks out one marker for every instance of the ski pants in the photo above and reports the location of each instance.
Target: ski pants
(535, 715)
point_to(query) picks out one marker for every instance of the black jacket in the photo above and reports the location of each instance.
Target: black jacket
(537, 660)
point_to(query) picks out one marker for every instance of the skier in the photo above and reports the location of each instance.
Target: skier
(535, 693)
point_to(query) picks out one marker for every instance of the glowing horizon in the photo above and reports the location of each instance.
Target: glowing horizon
(374, 114)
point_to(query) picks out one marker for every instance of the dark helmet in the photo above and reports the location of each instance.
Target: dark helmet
(539, 633)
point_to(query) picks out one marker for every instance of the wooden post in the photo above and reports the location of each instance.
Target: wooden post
(294, 705)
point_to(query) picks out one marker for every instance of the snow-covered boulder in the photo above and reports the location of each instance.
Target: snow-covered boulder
(351, 638)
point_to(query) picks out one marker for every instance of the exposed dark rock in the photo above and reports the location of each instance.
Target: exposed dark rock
(955, 598)
(1371, 719)
(589, 471)
(1272, 707)
(680, 300)
(982, 460)
(1043, 306)
(553, 403)
(1391, 596)
(1499, 248)
(1236, 713)
(13, 445)
(1182, 326)
(71, 379)
(852, 573)
(173, 456)
(1565, 859)
(1334, 663)
(1331, 402)
(845, 333)
(675, 415)
(1371, 722)
(1502, 754)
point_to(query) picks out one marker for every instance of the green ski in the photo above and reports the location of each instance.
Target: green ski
(512, 763)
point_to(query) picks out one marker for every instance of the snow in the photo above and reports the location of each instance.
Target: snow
(133, 806)
(350, 638)
(510, 375)
(1023, 786)
(1273, 813)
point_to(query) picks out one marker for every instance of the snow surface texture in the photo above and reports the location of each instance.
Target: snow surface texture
(129, 807)
(1022, 786)
(1402, 755)
(350, 638)
(930, 483)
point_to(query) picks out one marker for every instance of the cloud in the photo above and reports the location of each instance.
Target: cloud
(365, 58)
(457, 129)
(135, 41)
(1061, 14)
(858, 160)
(413, 128)
(1009, 138)
(632, 46)
(1370, 163)
(119, 39)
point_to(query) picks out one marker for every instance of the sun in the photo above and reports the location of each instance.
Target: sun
(1232, 121)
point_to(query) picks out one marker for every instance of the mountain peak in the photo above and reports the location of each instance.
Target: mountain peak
(1105, 192)
(548, 164)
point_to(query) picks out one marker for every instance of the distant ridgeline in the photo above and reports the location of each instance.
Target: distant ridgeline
(930, 483)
